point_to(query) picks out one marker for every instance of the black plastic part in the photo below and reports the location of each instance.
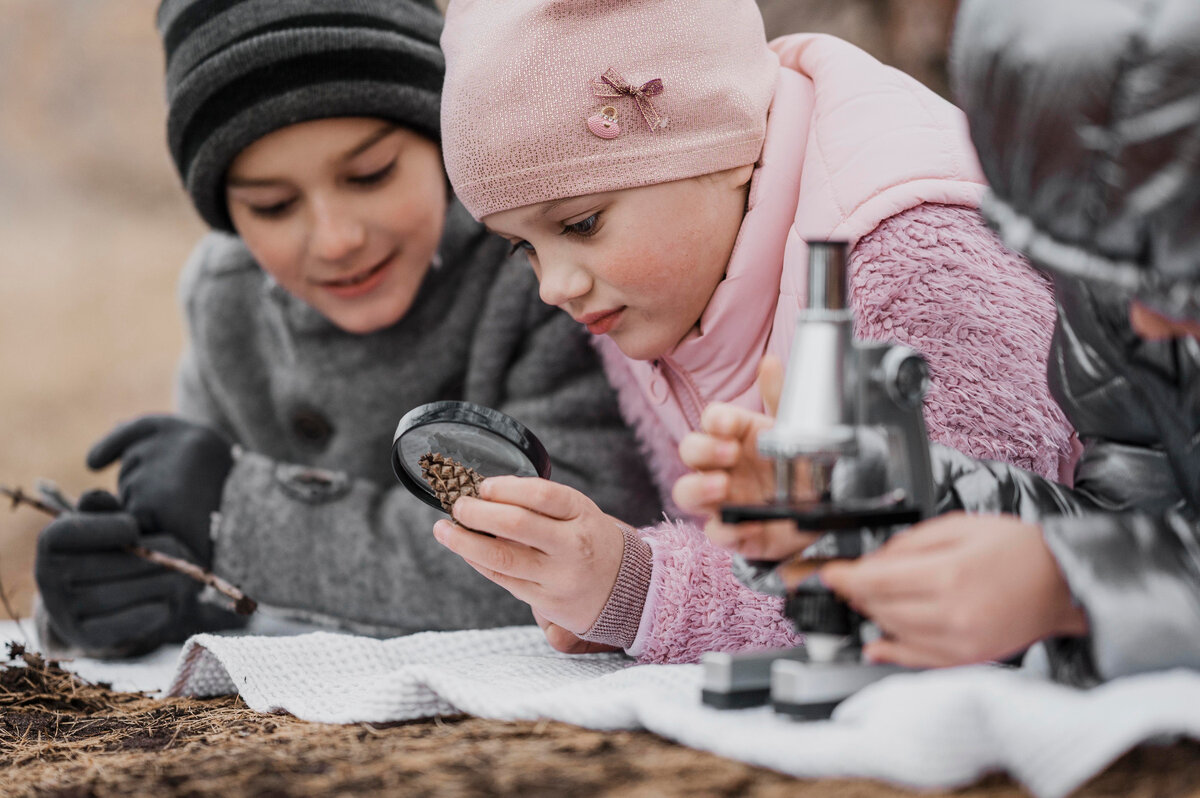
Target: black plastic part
(471, 415)
(826, 517)
(739, 699)
(821, 612)
(820, 710)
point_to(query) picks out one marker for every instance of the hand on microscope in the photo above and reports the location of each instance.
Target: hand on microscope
(959, 589)
(729, 470)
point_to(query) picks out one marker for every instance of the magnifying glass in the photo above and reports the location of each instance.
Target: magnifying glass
(480, 438)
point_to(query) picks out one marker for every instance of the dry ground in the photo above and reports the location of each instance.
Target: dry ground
(93, 230)
(62, 737)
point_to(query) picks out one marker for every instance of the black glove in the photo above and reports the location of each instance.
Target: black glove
(172, 475)
(107, 601)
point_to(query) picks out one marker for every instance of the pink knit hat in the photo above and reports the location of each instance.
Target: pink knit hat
(546, 99)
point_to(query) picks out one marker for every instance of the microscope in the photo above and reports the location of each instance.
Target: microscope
(852, 410)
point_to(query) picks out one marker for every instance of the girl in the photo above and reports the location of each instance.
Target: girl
(661, 167)
(1106, 573)
(339, 288)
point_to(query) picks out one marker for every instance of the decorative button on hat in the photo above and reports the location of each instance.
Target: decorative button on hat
(604, 123)
(611, 84)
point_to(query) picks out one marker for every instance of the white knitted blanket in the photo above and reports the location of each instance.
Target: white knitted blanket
(938, 729)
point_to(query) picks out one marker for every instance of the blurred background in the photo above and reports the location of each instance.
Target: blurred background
(94, 226)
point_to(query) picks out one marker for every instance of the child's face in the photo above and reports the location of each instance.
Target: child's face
(638, 265)
(345, 213)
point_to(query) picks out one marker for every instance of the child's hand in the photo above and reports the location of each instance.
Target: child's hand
(566, 642)
(553, 548)
(959, 589)
(173, 474)
(724, 453)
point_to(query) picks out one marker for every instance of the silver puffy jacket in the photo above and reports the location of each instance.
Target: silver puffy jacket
(1127, 536)
(1086, 114)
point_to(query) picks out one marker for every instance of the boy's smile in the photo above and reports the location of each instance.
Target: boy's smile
(639, 264)
(360, 283)
(345, 213)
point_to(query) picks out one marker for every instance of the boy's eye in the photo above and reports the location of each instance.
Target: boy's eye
(374, 177)
(518, 246)
(583, 228)
(272, 211)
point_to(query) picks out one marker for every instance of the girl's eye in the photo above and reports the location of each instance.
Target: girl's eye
(518, 246)
(272, 211)
(584, 228)
(374, 177)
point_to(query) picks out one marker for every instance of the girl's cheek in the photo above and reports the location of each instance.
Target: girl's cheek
(636, 274)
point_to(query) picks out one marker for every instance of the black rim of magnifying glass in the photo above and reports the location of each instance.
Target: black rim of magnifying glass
(484, 418)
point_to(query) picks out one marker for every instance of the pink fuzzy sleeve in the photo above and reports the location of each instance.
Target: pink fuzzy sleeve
(937, 279)
(695, 604)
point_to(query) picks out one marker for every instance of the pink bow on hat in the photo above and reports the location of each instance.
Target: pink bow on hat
(611, 84)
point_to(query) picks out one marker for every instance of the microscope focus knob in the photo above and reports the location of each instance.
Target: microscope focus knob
(820, 612)
(905, 376)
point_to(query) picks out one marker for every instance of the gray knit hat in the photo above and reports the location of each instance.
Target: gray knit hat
(240, 69)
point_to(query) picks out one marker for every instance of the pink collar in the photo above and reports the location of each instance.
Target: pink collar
(721, 365)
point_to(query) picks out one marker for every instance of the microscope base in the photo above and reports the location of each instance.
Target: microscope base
(742, 699)
(817, 711)
(812, 690)
(737, 681)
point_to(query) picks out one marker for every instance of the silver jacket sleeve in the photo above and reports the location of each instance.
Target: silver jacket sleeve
(1136, 575)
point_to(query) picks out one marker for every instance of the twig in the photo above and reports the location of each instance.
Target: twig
(12, 613)
(242, 604)
(20, 497)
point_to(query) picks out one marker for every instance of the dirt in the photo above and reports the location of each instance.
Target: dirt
(61, 736)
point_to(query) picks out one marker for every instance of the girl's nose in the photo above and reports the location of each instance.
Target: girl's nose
(559, 283)
(337, 232)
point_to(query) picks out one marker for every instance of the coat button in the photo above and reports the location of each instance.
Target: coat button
(311, 485)
(311, 427)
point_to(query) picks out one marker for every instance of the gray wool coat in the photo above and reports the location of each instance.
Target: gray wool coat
(312, 519)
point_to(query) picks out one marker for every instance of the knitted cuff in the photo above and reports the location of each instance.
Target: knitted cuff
(618, 622)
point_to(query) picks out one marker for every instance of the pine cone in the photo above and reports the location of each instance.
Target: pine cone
(449, 478)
